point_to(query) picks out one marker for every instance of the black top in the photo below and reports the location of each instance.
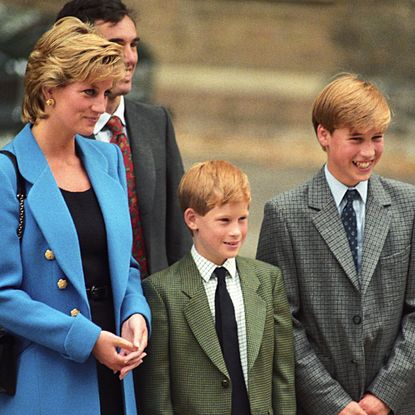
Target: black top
(90, 227)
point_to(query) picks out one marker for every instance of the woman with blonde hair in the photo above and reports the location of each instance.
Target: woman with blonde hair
(69, 291)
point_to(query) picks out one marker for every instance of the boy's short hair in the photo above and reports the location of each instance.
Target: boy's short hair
(211, 183)
(351, 102)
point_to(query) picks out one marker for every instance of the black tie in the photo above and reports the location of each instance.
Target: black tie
(227, 331)
(348, 217)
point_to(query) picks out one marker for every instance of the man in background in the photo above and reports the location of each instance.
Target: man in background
(146, 137)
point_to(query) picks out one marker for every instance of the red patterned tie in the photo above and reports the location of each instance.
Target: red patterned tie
(118, 137)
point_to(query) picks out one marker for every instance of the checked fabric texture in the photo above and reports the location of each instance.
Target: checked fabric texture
(348, 217)
(227, 330)
(303, 234)
(118, 137)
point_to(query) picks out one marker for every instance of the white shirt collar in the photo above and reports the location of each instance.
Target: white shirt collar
(103, 119)
(207, 267)
(338, 189)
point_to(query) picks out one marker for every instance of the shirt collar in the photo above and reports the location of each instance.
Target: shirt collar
(207, 267)
(103, 119)
(338, 189)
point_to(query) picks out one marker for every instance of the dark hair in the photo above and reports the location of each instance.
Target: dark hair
(89, 11)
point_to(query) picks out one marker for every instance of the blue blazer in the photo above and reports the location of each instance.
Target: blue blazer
(56, 370)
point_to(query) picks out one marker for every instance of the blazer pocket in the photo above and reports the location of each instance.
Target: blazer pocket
(398, 257)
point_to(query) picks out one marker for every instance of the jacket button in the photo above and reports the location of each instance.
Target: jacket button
(357, 319)
(49, 255)
(62, 283)
(74, 312)
(225, 383)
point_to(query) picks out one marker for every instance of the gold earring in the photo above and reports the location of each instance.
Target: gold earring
(50, 102)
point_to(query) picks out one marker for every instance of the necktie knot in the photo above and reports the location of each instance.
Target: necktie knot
(351, 195)
(220, 273)
(114, 124)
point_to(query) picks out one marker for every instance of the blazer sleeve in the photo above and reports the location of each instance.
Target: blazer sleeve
(153, 375)
(178, 239)
(72, 337)
(395, 380)
(315, 388)
(283, 387)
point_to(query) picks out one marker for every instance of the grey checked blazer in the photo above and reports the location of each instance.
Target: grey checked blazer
(158, 169)
(353, 333)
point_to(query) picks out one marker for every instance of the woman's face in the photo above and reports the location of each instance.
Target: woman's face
(78, 106)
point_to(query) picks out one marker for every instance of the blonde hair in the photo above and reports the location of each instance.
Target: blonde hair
(212, 183)
(70, 51)
(349, 101)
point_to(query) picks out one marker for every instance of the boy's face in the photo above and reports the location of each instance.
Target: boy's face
(220, 233)
(351, 155)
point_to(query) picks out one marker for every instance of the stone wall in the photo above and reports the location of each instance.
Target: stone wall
(249, 34)
(238, 67)
(228, 67)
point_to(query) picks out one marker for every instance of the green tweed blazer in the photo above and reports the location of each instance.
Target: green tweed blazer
(185, 373)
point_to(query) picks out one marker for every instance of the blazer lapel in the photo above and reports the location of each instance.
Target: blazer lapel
(198, 315)
(49, 208)
(328, 223)
(139, 130)
(255, 311)
(111, 198)
(377, 224)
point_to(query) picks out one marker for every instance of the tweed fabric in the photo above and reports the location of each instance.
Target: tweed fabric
(350, 338)
(118, 137)
(184, 372)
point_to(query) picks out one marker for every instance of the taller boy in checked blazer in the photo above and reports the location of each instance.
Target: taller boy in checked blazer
(157, 164)
(345, 244)
(193, 366)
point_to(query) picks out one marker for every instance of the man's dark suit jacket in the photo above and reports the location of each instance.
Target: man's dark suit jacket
(158, 169)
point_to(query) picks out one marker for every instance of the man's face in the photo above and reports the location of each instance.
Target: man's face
(125, 34)
(351, 155)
